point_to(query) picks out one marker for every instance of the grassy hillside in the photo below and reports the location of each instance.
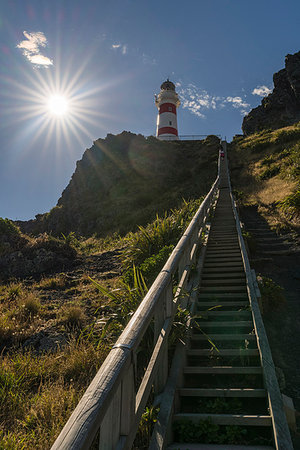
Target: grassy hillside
(56, 324)
(265, 170)
(56, 329)
(126, 180)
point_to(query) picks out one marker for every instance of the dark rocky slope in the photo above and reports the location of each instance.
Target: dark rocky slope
(282, 106)
(125, 180)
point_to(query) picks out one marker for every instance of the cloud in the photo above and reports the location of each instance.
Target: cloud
(136, 52)
(262, 91)
(31, 48)
(199, 100)
(195, 100)
(238, 103)
(148, 60)
(122, 47)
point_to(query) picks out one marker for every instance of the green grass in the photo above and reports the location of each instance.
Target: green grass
(263, 157)
(39, 389)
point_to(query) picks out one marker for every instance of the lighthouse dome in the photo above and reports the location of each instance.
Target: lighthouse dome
(168, 85)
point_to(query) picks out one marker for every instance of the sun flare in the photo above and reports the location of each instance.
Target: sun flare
(58, 105)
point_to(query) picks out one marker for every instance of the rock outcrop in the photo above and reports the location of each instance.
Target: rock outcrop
(281, 107)
(123, 181)
(22, 256)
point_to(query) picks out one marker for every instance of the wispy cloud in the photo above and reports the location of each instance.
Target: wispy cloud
(31, 48)
(199, 100)
(148, 60)
(122, 47)
(262, 91)
(136, 52)
(238, 103)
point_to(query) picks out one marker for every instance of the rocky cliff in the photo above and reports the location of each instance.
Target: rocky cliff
(123, 181)
(282, 106)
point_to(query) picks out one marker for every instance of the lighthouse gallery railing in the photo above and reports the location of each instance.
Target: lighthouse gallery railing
(113, 405)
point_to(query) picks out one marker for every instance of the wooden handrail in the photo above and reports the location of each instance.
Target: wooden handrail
(281, 431)
(112, 403)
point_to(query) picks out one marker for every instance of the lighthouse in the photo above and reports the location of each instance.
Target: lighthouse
(167, 101)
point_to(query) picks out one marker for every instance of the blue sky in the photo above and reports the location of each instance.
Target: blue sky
(107, 59)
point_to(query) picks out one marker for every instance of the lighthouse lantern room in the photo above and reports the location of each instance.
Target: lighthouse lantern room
(167, 101)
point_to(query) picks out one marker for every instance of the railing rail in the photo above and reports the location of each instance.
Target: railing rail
(113, 403)
(189, 137)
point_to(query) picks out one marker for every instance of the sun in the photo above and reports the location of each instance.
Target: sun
(58, 105)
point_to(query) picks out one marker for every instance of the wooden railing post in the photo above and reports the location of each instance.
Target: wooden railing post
(110, 426)
(162, 371)
(127, 402)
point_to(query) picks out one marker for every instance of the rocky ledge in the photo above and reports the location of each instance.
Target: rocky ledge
(281, 107)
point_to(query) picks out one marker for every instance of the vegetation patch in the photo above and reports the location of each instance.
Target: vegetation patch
(206, 432)
(266, 165)
(272, 294)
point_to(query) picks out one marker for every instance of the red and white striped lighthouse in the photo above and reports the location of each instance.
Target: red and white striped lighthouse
(167, 101)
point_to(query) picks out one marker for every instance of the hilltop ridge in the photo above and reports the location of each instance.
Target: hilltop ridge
(125, 180)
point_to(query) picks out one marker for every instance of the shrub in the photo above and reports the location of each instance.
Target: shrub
(286, 134)
(11, 238)
(58, 246)
(11, 397)
(291, 203)
(73, 315)
(58, 282)
(164, 231)
(31, 304)
(268, 160)
(272, 294)
(292, 163)
(151, 266)
(7, 227)
(269, 172)
(14, 290)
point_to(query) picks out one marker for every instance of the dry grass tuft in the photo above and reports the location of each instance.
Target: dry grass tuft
(39, 393)
(73, 315)
(31, 304)
(59, 282)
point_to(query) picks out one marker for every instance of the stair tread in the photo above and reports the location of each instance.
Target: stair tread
(224, 337)
(216, 264)
(229, 323)
(218, 392)
(224, 271)
(222, 370)
(224, 276)
(188, 446)
(224, 295)
(225, 352)
(218, 313)
(226, 289)
(228, 419)
(216, 303)
(225, 281)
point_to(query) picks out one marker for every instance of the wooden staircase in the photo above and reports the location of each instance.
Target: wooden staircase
(223, 383)
(222, 395)
(220, 391)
